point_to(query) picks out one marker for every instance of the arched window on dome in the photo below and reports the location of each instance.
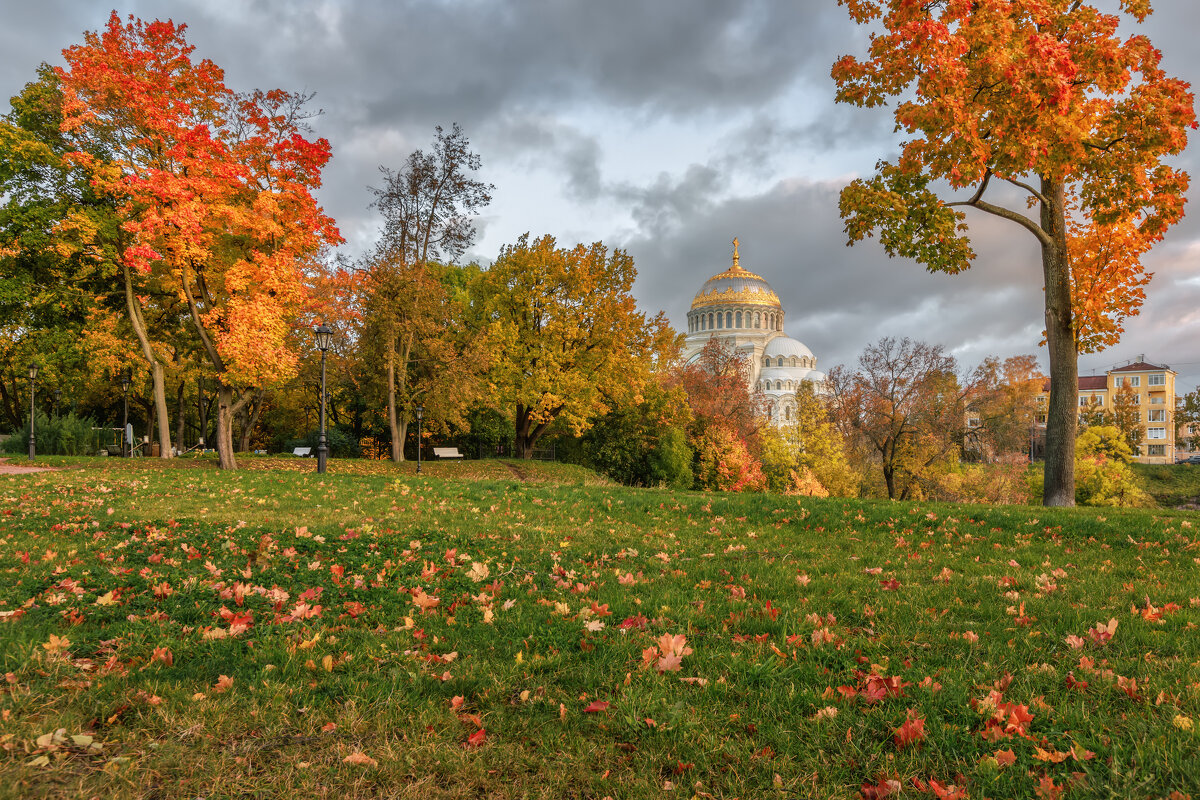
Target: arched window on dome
(779, 386)
(757, 319)
(739, 319)
(780, 364)
(728, 319)
(710, 321)
(787, 413)
(767, 361)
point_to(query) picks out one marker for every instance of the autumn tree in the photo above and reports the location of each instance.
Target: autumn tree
(1002, 406)
(906, 403)
(717, 385)
(1037, 97)
(213, 189)
(807, 451)
(1187, 414)
(47, 291)
(570, 343)
(428, 208)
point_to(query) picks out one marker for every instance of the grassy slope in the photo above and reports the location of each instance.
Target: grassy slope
(1170, 485)
(779, 600)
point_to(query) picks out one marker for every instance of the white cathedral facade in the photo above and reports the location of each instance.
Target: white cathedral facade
(741, 310)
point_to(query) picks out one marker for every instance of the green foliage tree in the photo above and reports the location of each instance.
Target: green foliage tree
(808, 444)
(569, 342)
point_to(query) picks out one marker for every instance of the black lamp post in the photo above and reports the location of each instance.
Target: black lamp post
(57, 400)
(420, 415)
(324, 342)
(125, 378)
(33, 371)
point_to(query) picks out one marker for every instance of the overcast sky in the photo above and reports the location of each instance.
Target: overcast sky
(665, 128)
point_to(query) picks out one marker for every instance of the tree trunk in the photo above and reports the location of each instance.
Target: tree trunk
(397, 430)
(180, 419)
(156, 370)
(250, 415)
(1058, 487)
(225, 412)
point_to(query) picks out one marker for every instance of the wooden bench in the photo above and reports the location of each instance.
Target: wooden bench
(303, 452)
(447, 452)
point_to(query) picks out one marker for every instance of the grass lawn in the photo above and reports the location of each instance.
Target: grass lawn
(175, 631)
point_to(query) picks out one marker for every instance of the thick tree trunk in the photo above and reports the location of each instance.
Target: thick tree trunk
(249, 417)
(527, 432)
(394, 425)
(1058, 486)
(225, 454)
(156, 370)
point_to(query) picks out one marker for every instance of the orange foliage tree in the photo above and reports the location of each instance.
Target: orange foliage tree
(1042, 96)
(213, 189)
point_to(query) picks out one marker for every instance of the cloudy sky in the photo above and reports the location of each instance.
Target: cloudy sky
(666, 128)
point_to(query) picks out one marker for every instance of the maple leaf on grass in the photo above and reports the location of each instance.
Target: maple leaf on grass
(911, 731)
(597, 706)
(361, 759)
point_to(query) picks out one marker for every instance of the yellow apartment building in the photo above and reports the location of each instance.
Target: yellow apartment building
(1152, 388)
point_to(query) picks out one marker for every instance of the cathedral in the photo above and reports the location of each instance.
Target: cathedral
(741, 310)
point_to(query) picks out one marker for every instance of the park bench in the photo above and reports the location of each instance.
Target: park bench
(447, 452)
(303, 452)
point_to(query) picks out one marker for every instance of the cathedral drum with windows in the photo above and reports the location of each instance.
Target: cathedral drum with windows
(741, 310)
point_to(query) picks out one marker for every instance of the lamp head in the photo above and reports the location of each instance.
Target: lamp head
(420, 411)
(324, 337)
(33, 370)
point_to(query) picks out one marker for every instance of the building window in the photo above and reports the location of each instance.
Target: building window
(1157, 401)
(787, 413)
(1158, 380)
(710, 321)
(1157, 415)
(1118, 382)
(1156, 433)
(1156, 450)
(1137, 416)
(1083, 401)
(728, 319)
(1135, 380)
(779, 386)
(1137, 400)
(1041, 419)
(739, 319)
(780, 361)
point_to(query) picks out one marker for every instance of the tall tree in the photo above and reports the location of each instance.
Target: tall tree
(570, 343)
(213, 189)
(428, 209)
(1041, 95)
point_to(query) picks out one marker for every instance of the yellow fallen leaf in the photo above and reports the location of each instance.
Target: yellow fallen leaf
(360, 758)
(327, 663)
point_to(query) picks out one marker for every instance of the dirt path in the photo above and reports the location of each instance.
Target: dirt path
(517, 472)
(17, 469)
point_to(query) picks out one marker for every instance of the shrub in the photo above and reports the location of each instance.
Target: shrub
(67, 435)
(724, 463)
(670, 462)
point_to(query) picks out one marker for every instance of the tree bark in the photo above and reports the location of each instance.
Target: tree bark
(180, 418)
(394, 425)
(156, 371)
(1058, 487)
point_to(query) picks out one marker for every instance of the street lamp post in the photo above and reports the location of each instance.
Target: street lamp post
(125, 378)
(57, 400)
(33, 371)
(324, 342)
(420, 415)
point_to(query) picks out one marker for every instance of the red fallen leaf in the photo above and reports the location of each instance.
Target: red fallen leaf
(913, 730)
(476, 738)
(890, 585)
(1048, 790)
(329, 727)
(456, 702)
(1075, 684)
(879, 790)
(949, 792)
(597, 705)
(1006, 758)
(640, 622)
(1053, 756)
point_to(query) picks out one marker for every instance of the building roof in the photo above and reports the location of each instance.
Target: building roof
(1086, 383)
(1140, 366)
(736, 286)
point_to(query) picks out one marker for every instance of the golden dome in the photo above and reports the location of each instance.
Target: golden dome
(736, 286)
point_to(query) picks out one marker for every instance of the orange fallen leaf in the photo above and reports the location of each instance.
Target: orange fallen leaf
(360, 758)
